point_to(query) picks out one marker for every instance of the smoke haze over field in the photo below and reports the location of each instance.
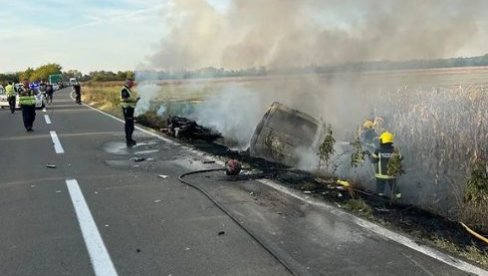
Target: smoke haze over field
(276, 33)
(290, 33)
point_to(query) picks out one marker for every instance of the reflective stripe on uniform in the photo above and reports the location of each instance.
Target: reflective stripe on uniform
(127, 102)
(27, 100)
(383, 176)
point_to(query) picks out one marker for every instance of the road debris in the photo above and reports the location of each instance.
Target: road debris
(181, 127)
(138, 159)
(163, 176)
(51, 166)
(232, 167)
(221, 233)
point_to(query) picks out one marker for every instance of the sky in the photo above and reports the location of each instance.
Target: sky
(89, 35)
(85, 35)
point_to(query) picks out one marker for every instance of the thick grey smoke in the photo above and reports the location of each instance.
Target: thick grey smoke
(288, 33)
(277, 33)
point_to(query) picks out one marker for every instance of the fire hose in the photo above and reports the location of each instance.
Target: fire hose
(474, 233)
(288, 263)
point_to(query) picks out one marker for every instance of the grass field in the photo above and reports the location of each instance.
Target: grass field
(438, 116)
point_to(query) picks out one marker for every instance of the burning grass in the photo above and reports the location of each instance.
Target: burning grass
(439, 130)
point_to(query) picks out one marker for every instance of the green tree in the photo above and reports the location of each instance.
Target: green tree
(326, 148)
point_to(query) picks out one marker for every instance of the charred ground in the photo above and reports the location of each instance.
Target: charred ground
(423, 226)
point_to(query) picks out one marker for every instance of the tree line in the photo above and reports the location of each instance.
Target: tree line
(43, 72)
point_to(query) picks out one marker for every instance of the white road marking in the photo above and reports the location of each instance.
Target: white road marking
(99, 256)
(396, 237)
(48, 120)
(57, 144)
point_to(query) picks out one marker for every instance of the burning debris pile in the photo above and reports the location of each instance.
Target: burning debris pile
(181, 127)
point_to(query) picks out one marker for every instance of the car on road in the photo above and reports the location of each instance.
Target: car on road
(41, 100)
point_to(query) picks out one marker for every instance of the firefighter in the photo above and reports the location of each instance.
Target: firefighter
(368, 136)
(11, 96)
(381, 158)
(27, 102)
(128, 103)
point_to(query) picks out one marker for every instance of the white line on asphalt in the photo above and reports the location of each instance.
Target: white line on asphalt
(48, 121)
(57, 144)
(99, 256)
(396, 237)
(137, 127)
(408, 242)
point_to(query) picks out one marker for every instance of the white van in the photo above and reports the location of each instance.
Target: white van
(72, 81)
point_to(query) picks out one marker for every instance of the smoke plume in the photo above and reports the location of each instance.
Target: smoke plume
(276, 33)
(293, 33)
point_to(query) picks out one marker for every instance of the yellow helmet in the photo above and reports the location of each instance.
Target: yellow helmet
(386, 137)
(368, 124)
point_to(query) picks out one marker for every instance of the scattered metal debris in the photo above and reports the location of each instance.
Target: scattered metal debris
(138, 159)
(181, 127)
(163, 176)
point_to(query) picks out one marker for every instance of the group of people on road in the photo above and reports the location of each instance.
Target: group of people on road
(26, 93)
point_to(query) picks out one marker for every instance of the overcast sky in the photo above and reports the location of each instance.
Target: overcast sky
(90, 35)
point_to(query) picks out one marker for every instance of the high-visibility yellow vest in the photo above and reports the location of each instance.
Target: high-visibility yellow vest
(127, 102)
(27, 98)
(9, 90)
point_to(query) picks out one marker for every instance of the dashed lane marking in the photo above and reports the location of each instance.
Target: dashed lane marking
(99, 256)
(48, 120)
(57, 144)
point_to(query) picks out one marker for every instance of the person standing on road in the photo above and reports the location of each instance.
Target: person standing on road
(11, 96)
(77, 89)
(49, 93)
(382, 158)
(27, 101)
(128, 103)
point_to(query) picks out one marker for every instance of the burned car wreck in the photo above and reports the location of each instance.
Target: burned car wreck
(282, 135)
(283, 132)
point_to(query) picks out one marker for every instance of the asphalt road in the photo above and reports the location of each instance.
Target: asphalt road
(99, 212)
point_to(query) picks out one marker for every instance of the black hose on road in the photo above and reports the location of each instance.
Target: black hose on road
(289, 263)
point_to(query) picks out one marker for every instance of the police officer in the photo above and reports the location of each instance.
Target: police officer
(381, 158)
(128, 103)
(27, 101)
(11, 96)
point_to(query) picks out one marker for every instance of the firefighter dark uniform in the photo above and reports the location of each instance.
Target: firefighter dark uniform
(128, 103)
(27, 102)
(381, 158)
(368, 136)
(11, 96)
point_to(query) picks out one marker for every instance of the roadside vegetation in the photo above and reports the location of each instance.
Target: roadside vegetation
(473, 199)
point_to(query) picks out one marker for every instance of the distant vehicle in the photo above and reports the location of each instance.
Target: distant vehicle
(41, 100)
(72, 81)
(55, 86)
